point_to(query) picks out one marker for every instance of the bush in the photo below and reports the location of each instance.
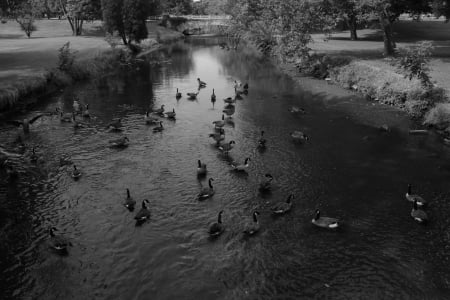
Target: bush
(175, 22)
(413, 61)
(320, 65)
(438, 116)
(66, 58)
(26, 23)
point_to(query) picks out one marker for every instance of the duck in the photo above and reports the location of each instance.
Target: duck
(58, 242)
(116, 125)
(25, 123)
(252, 227)
(266, 185)
(86, 113)
(119, 143)
(217, 228)
(201, 83)
(411, 198)
(208, 191)
(201, 169)
(149, 120)
(229, 100)
(33, 157)
(295, 109)
(144, 213)
(227, 147)
(229, 110)
(418, 214)
(159, 128)
(218, 136)
(325, 222)
(192, 96)
(178, 95)
(243, 167)
(299, 136)
(129, 201)
(283, 206)
(76, 173)
(171, 114)
(159, 111)
(66, 117)
(213, 97)
(219, 123)
(262, 141)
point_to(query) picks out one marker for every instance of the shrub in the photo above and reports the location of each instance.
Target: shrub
(413, 61)
(66, 58)
(320, 66)
(26, 23)
(175, 22)
(438, 116)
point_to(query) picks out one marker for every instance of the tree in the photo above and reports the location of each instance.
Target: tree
(177, 7)
(441, 8)
(23, 15)
(78, 11)
(350, 11)
(112, 18)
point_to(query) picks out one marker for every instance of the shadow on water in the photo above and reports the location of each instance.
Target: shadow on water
(379, 253)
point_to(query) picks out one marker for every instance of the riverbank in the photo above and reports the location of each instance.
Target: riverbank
(29, 65)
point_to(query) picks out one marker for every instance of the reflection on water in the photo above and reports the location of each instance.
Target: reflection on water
(348, 170)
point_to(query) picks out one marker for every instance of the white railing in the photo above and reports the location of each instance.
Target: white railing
(193, 17)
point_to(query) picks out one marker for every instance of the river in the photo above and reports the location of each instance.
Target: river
(349, 169)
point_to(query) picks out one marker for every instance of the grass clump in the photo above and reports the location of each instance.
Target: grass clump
(320, 65)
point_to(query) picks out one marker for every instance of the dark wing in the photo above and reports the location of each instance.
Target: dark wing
(35, 118)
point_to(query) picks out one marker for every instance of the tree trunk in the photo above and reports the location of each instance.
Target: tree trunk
(352, 25)
(389, 44)
(124, 38)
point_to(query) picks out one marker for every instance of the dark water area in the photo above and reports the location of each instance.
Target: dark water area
(348, 169)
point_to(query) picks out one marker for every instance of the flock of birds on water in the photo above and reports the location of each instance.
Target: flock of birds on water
(154, 117)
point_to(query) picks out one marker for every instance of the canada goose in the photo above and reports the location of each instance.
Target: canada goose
(178, 94)
(220, 123)
(76, 173)
(86, 113)
(58, 242)
(159, 128)
(218, 136)
(243, 167)
(77, 124)
(325, 222)
(411, 198)
(262, 141)
(226, 147)
(237, 84)
(76, 106)
(144, 213)
(159, 111)
(418, 214)
(66, 117)
(238, 94)
(150, 120)
(171, 114)
(229, 110)
(252, 227)
(25, 123)
(213, 97)
(33, 157)
(283, 206)
(229, 100)
(295, 109)
(192, 96)
(201, 169)
(116, 125)
(217, 228)
(246, 86)
(201, 83)
(299, 136)
(266, 185)
(119, 143)
(208, 191)
(129, 201)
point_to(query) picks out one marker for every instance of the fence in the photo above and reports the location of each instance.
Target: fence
(193, 17)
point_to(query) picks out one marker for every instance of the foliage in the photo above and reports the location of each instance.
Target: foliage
(24, 16)
(320, 65)
(66, 58)
(134, 15)
(441, 8)
(176, 7)
(78, 11)
(438, 116)
(414, 62)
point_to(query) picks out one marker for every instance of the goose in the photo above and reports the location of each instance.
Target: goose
(76, 106)
(325, 222)
(229, 110)
(129, 201)
(226, 147)
(411, 198)
(266, 185)
(299, 136)
(246, 86)
(76, 173)
(159, 128)
(243, 167)
(295, 109)
(201, 169)
(86, 113)
(77, 124)
(229, 100)
(418, 214)
(283, 206)
(25, 123)
(192, 96)
(207, 192)
(149, 120)
(238, 93)
(119, 143)
(217, 228)
(262, 141)
(213, 97)
(220, 123)
(218, 136)
(178, 94)
(116, 125)
(252, 227)
(58, 242)
(66, 117)
(237, 84)
(159, 111)
(144, 213)
(171, 114)
(33, 157)
(201, 83)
